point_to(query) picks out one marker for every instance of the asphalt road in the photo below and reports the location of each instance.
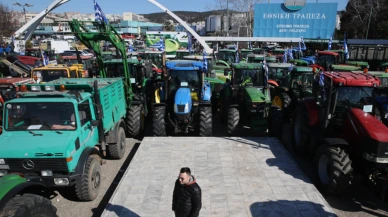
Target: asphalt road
(360, 202)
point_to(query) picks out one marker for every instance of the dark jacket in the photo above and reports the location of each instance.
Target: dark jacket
(186, 199)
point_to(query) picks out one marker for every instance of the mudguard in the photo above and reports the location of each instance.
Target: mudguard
(273, 83)
(206, 91)
(11, 185)
(183, 98)
(80, 168)
(368, 124)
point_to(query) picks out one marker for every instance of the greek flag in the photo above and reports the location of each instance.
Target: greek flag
(331, 40)
(13, 39)
(285, 56)
(237, 57)
(235, 47)
(302, 45)
(290, 54)
(290, 68)
(265, 68)
(99, 15)
(161, 44)
(249, 45)
(130, 49)
(321, 79)
(189, 42)
(45, 59)
(346, 51)
(204, 62)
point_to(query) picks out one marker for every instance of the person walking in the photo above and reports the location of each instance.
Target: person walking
(187, 196)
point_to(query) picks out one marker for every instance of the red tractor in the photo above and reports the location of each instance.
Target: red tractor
(337, 126)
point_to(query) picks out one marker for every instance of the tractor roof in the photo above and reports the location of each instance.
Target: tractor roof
(228, 50)
(173, 64)
(302, 69)
(331, 53)
(347, 68)
(352, 79)
(197, 57)
(374, 73)
(246, 50)
(182, 51)
(10, 82)
(261, 57)
(384, 64)
(359, 63)
(74, 57)
(299, 62)
(56, 67)
(247, 65)
(279, 65)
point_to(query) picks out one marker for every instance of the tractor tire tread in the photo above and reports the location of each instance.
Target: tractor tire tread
(158, 121)
(133, 120)
(82, 186)
(205, 121)
(233, 120)
(29, 205)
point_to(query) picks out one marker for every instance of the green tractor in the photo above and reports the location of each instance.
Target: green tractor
(227, 55)
(244, 54)
(256, 58)
(292, 86)
(245, 100)
(21, 198)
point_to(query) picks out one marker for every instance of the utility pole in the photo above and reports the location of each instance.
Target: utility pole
(24, 8)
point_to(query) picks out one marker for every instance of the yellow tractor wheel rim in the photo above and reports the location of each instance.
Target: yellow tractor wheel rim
(277, 101)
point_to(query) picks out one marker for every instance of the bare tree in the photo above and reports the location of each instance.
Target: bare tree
(7, 26)
(364, 17)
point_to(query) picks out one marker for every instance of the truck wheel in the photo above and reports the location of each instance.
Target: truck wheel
(117, 150)
(298, 135)
(205, 121)
(30, 205)
(334, 169)
(135, 120)
(88, 186)
(158, 123)
(275, 122)
(233, 119)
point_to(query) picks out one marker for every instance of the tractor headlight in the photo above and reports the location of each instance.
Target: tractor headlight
(175, 108)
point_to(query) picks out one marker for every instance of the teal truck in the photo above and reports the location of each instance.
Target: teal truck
(22, 198)
(57, 133)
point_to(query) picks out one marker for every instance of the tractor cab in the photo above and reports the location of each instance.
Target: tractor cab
(260, 51)
(229, 56)
(245, 99)
(50, 73)
(84, 62)
(244, 54)
(276, 70)
(255, 58)
(156, 58)
(332, 58)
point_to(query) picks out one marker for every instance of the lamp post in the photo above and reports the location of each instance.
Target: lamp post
(24, 8)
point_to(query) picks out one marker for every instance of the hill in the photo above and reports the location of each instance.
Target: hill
(187, 16)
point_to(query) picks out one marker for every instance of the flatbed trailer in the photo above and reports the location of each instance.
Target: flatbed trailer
(238, 177)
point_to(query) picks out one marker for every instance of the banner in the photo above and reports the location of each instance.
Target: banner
(172, 40)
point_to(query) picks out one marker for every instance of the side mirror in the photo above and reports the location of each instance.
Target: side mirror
(95, 123)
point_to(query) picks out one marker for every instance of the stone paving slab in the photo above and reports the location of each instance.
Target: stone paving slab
(239, 177)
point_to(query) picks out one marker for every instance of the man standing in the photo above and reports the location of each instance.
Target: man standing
(186, 199)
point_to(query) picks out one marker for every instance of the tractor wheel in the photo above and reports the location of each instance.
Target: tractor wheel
(117, 150)
(233, 119)
(214, 102)
(298, 134)
(158, 123)
(275, 122)
(135, 120)
(205, 121)
(88, 186)
(282, 100)
(334, 169)
(30, 205)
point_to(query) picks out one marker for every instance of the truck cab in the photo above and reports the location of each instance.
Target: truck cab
(50, 73)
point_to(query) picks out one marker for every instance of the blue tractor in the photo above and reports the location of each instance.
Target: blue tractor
(182, 100)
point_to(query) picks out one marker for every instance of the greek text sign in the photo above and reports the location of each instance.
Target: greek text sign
(314, 20)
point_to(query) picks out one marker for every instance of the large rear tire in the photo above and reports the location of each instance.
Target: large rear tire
(88, 186)
(275, 122)
(117, 150)
(205, 121)
(135, 120)
(29, 205)
(299, 139)
(158, 121)
(233, 120)
(334, 169)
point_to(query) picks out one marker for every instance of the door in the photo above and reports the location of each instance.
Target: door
(88, 133)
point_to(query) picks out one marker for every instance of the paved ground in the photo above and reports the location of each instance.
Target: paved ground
(112, 170)
(239, 178)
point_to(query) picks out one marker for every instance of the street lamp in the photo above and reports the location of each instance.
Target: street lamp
(24, 8)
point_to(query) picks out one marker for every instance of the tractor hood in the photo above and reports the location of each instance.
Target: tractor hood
(255, 94)
(22, 144)
(370, 125)
(183, 101)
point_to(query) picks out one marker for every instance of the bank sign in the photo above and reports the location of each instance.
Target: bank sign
(313, 21)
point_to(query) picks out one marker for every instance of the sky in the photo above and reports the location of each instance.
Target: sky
(135, 6)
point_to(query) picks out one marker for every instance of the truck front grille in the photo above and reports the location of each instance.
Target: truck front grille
(36, 164)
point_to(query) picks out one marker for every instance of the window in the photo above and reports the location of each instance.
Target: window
(84, 112)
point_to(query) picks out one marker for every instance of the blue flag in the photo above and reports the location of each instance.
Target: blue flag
(331, 40)
(45, 59)
(290, 54)
(237, 57)
(130, 49)
(189, 42)
(285, 56)
(321, 79)
(346, 51)
(265, 68)
(249, 45)
(204, 62)
(161, 44)
(99, 15)
(290, 68)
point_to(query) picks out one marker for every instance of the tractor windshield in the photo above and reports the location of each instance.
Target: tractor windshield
(327, 60)
(301, 80)
(227, 56)
(40, 116)
(254, 76)
(192, 78)
(358, 97)
(244, 54)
